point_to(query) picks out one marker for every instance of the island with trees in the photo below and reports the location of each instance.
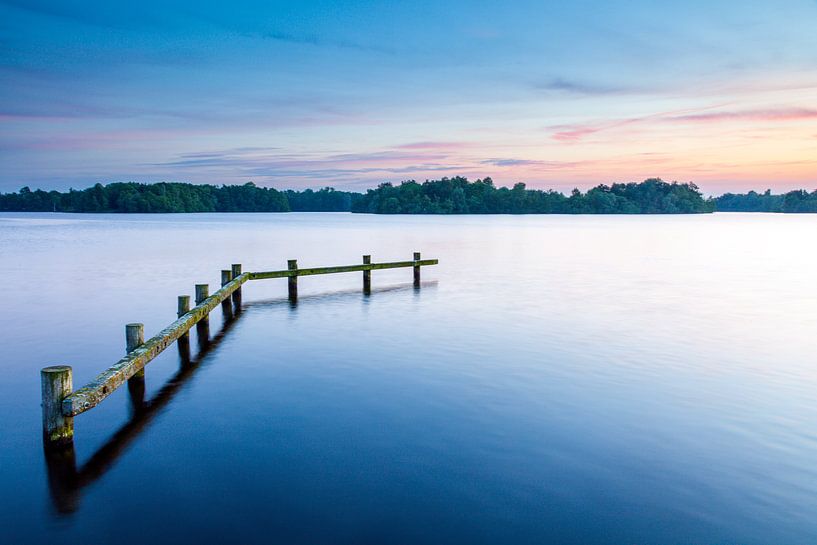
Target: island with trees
(454, 195)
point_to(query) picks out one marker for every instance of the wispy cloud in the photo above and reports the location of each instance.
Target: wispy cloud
(324, 41)
(434, 145)
(567, 86)
(579, 131)
(774, 114)
(508, 162)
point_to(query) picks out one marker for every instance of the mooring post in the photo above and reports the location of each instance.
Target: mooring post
(203, 325)
(183, 342)
(292, 265)
(367, 276)
(236, 270)
(226, 306)
(134, 338)
(416, 270)
(56, 383)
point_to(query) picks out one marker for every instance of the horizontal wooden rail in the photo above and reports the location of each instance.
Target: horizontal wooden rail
(60, 404)
(105, 383)
(341, 269)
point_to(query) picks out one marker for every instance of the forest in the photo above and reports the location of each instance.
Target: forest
(459, 196)
(445, 196)
(175, 197)
(797, 201)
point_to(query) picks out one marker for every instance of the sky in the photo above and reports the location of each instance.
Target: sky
(349, 94)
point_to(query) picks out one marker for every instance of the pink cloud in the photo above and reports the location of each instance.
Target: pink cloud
(441, 146)
(574, 133)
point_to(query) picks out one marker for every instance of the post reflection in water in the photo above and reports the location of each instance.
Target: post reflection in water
(66, 481)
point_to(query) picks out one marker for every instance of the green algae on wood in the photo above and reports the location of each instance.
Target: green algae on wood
(58, 423)
(342, 269)
(105, 383)
(56, 384)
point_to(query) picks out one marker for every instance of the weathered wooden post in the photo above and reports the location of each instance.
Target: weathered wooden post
(203, 325)
(226, 305)
(416, 270)
(134, 338)
(236, 269)
(292, 265)
(183, 342)
(367, 276)
(183, 307)
(56, 383)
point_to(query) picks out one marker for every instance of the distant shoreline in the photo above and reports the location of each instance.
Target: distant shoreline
(448, 196)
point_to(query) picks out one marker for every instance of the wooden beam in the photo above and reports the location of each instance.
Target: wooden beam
(105, 383)
(342, 269)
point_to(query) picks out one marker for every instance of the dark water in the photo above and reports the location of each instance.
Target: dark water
(555, 380)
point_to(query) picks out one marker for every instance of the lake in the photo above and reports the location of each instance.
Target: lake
(556, 379)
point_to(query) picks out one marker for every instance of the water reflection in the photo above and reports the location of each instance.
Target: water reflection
(66, 481)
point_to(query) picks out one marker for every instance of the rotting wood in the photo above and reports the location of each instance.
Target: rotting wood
(90, 395)
(105, 383)
(341, 269)
(56, 384)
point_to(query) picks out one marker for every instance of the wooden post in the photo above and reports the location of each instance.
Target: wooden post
(183, 306)
(134, 338)
(203, 325)
(183, 343)
(226, 305)
(416, 270)
(292, 265)
(236, 270)
(56, 383)
(367, 276)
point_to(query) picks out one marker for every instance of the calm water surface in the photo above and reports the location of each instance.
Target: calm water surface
(556, 379)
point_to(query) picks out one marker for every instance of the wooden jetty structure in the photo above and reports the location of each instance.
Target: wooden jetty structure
(61, 403)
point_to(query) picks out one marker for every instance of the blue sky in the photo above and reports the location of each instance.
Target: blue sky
(348, 94)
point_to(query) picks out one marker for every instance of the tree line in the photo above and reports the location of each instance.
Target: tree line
(459, 196)
(446, 196)
(175, 197)
(797, 201)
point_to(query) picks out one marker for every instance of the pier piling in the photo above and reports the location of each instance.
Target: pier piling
(134, 338)
(183, 343)
(203, 325)
(292, 265)
(236, 270)
(226, 304)
(367, 276)
(56, 384)
(60, 403)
